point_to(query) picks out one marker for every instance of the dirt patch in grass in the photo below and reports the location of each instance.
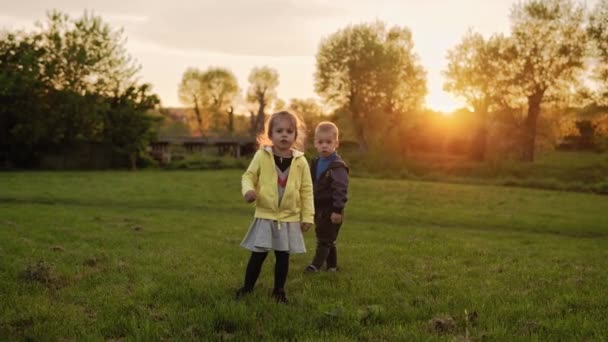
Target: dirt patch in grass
(96, 260)
(57, 248)
(530, 327)
(42, 272)
(442, 325)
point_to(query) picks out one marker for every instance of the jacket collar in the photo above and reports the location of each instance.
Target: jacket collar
(295, 152)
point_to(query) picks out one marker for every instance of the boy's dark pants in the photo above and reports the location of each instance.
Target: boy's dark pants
(326, 233)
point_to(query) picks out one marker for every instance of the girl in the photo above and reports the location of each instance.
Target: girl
(278, 180)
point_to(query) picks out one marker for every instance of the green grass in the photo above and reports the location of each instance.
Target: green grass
(554, 170)
(154, 255)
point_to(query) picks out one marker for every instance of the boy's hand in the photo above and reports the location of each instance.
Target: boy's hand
(250, 196)
(305, 226)
(336, 218)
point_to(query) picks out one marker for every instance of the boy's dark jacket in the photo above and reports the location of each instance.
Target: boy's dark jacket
(331, 188)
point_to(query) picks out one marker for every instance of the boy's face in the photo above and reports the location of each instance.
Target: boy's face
(325, 143)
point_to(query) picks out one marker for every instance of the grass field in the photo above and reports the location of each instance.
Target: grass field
(154, 255)
(552, 170)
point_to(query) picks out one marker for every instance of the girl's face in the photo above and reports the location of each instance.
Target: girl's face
(283, 134)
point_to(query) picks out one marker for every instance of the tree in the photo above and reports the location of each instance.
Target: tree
(23, 119)
(473, 73)
(56, 86)
(220, 88)
(128, 122)
(85, 55)
(372, 72)
(309, 111)
(549, 46)
(190, 93)
(598, 32)
(263, 82)
(279, 105)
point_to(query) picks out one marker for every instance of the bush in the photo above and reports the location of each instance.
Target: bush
(601, 188)
(144, 160)
(199, 162)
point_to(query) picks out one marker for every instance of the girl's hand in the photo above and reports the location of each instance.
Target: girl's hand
(250, 196)
(305, 226)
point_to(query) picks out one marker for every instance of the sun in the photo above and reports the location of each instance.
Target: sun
(443, 102)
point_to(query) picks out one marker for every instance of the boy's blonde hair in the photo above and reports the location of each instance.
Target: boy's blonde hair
(263, 139)
(328, 127)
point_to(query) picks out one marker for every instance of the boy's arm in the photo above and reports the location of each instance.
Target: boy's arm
(306, 196)
(249, 180)
(339, 189)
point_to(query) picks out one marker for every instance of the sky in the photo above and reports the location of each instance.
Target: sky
(168, 37)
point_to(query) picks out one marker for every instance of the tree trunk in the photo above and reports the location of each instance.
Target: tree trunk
(261, 117)
(478, 148)
(199, 118)
(253, 124)
(355, 112)
(360, 133)
(529, 136)
(133, 160)
(231, 120)
(479, 143)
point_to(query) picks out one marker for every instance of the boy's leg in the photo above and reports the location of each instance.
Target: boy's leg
(321, 254)
(332, 256)
(322, 249)
(253, 270)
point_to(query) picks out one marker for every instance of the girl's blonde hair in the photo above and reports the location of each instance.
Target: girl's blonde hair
(299, 126)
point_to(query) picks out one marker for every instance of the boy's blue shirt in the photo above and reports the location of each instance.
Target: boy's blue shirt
(324, 163)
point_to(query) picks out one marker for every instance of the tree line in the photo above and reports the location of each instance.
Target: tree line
(554, 61)
(70, 82)
(66, 83)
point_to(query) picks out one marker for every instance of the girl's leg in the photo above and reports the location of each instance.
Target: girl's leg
(281, 269)
(253, 269)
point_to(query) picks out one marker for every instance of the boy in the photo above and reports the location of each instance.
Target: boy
(330, 186)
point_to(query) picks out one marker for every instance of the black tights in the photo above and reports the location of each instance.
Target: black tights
(254, 267)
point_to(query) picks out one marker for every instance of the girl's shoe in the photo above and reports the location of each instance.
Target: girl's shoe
(333, 269)
(279, 296)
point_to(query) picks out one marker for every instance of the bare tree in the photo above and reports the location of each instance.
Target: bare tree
(263, 82)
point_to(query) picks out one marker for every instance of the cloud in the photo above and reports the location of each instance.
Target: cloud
(8, 22)
(263, 27)
(268, 27)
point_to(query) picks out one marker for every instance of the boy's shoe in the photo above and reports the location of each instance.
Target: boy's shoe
(333, 269)
(311, 269)
(240, 293)
(279, 296)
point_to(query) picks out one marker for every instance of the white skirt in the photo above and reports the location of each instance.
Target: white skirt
(264, 235)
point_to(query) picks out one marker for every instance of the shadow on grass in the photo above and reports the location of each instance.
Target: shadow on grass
(396, 220)
(154, 205)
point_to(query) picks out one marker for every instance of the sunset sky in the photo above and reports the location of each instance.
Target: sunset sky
(167, 37)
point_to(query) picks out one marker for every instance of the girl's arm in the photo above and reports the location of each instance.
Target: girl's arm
(249, 180)
(306, 195)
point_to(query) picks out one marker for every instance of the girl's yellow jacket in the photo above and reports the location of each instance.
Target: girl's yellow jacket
(297, 204)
